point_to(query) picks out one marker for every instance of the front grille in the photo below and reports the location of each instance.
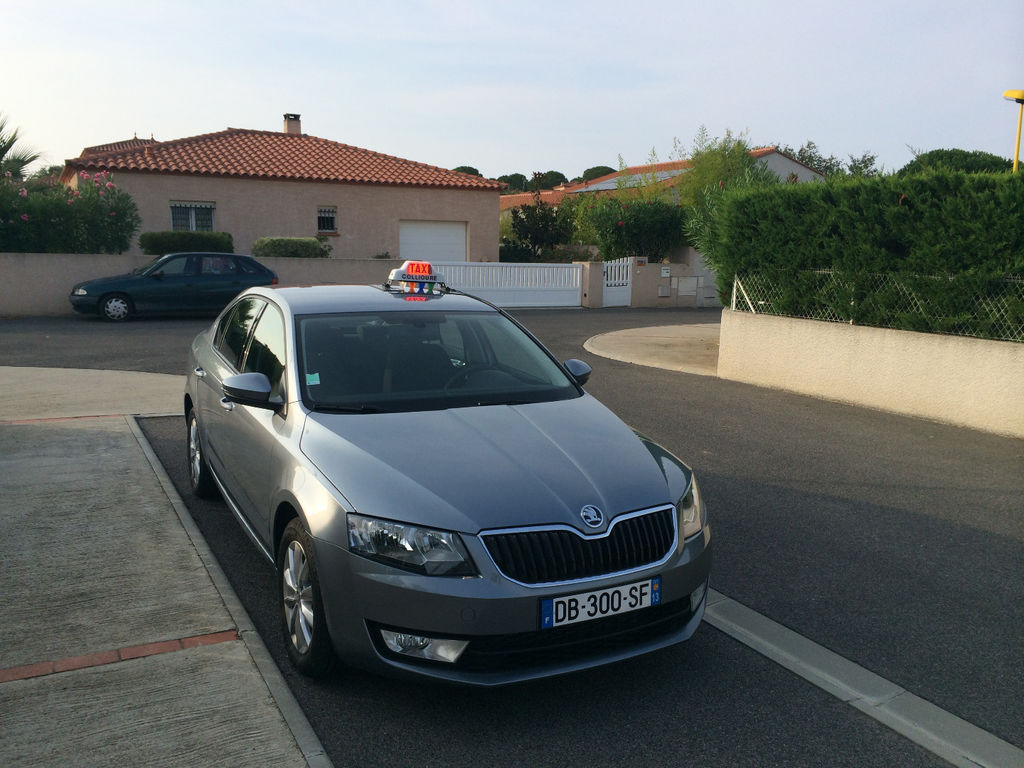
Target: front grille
(544, 556)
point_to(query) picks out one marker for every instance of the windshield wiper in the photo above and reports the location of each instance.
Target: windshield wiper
(364, 408)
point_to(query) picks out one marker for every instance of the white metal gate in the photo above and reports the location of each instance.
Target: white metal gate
(517, 285)
(618, 283)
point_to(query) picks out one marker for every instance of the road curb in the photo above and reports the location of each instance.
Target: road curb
(303, 733)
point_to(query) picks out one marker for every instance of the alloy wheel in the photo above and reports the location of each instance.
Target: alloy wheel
(297, 585)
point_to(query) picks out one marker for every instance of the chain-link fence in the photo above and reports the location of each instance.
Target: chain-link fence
(961, 305)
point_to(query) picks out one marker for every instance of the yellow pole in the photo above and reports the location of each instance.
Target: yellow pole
(1017, 96)
(1016, 152)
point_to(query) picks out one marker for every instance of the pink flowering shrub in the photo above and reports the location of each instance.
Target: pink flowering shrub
(97, 217)
(634, 227)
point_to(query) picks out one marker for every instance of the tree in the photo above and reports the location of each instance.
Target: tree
(42, 178)
(713, 162)
(718, 166)
(963, 160)
(13, 161)
(516, 182)
(538, 226)
(597, 172)
(811, 156)
(467, 169)
(548, 180)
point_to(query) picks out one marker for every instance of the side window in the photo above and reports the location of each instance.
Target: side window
(176, 266)
(267, 350)
(234, 328)
(218, 265)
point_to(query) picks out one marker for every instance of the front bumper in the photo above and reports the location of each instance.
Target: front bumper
(86, 305)
(499, 618)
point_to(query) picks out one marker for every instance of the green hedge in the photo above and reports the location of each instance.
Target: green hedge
(949, 240)
(939, 223)
(290, 248)
(158, 243)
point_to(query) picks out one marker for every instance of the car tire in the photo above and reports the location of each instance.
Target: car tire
(116, 307)
(200, 478)
(302, 612)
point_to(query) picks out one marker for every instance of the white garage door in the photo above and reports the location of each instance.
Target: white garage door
(432, 240)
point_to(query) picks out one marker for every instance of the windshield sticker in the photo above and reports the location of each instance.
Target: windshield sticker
(312, 379)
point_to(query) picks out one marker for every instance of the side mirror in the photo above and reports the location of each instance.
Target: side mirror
(579, 370)
(250, 389)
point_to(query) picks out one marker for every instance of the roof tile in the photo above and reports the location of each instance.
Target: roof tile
(254, 154)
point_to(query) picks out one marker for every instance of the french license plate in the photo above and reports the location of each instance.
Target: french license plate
(585, 606)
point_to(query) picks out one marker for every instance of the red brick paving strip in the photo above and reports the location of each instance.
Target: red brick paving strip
(42, 668)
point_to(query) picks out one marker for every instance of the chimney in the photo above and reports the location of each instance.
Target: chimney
(292, 124)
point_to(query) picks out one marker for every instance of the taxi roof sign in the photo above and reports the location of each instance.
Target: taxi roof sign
(417, 277)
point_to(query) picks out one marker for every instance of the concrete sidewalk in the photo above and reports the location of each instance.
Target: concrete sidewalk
(122, 641)
(689, 348)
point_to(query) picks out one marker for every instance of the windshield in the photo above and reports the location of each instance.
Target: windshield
(404, 361)
(145, 268)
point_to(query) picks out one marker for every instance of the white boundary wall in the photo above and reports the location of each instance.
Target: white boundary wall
(968, 382)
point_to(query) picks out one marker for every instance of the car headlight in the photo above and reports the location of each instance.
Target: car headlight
(423, 550)
(79, 291)
(692, 514)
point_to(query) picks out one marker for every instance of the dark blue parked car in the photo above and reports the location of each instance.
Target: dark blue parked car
(177, 282)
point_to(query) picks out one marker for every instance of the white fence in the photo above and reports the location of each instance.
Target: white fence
(517, 285)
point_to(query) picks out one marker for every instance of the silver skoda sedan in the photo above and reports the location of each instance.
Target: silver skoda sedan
(439, 495)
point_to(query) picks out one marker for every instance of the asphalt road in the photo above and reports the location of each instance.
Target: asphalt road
(897, 543)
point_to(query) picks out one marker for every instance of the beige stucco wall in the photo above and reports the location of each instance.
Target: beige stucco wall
(37, 284)
(368, 215)
(968, 382)
(689, 283)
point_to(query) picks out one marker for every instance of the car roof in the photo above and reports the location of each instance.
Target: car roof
(208, 253)
(325, 299)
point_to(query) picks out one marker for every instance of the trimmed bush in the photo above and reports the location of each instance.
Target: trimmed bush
(290, 248)
(159, 243)
(941, 223)
(975, 161)
(948, 241)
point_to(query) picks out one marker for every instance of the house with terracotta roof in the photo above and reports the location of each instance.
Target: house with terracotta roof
(783, 165)
(256, 184)
(692, 272)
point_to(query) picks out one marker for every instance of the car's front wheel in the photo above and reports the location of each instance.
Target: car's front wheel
(302, 609)
(116, 307)
(199, 477)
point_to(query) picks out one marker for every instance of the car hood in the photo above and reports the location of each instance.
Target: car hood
(472, 469)
(101, 280)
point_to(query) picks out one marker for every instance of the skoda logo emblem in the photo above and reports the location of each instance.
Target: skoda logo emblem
(592, 516)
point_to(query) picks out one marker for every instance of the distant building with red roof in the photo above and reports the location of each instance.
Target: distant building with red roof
(663, 173)
(256, 184)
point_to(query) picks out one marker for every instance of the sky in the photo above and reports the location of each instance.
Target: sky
(520, 86)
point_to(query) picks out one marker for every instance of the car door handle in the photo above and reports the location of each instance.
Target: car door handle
(200, 373)
(226, 404)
